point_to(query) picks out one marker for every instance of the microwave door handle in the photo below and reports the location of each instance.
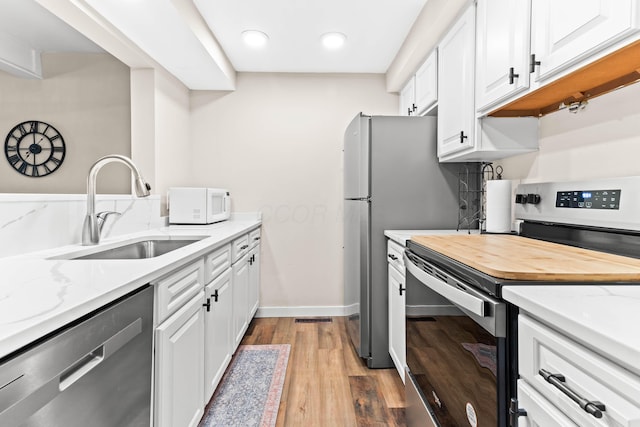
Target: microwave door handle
(457, 296)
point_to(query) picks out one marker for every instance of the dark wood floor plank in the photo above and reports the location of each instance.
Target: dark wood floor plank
(368, 403)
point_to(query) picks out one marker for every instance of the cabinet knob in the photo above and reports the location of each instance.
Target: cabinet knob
(512, 76)
(533, 63)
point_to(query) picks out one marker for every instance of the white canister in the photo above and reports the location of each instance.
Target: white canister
(498, 206)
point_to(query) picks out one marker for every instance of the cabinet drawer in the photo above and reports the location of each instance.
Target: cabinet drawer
(216, 262)
(175, 290)
(239, 247)
(540, 412)
(588, 374)
(254, 237)
(395, 254)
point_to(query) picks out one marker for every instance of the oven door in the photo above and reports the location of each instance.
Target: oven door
(456, 351)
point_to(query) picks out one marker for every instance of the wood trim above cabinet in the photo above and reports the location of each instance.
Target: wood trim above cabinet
(617, 69)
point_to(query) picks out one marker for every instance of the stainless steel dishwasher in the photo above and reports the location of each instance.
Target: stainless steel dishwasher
(93, 372)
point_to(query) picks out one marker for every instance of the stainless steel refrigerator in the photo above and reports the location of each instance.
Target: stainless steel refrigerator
(392, 180)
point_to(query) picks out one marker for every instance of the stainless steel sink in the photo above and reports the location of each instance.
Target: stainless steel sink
(138, 250)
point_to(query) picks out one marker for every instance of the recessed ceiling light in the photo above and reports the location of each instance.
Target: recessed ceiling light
(254, 38)
(333, 40)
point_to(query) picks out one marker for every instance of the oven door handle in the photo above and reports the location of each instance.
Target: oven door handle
(460, 297)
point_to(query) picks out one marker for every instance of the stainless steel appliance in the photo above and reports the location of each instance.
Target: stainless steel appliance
(392, 180)
(94, 372)
(462, 357)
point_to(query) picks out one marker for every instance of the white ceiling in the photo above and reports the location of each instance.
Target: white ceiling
(375, 30)
(171, 32)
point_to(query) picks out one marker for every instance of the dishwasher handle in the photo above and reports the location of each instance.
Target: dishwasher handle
(94, 358)
(49, 390)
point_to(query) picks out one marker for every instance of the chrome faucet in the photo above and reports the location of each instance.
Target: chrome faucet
(93, 222)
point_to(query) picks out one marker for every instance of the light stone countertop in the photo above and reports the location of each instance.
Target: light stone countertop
(604, 319)
(40, 295)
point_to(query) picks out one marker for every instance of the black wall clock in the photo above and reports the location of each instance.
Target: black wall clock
(34, 148)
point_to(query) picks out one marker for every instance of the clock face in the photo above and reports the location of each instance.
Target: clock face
(34, 148)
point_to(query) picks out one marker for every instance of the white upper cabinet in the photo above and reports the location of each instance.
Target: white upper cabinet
(502, 50)
(456, 77)
(421, 91)
(426, 83)
(408, 98)
(565, 32)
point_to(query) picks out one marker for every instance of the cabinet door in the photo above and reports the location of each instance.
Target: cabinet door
(218, 341)
(456, 109)
(408, 98)
(426, 81)
(397, 339)
(564, 32)
(240, 291)
(502, 50)
(179, 371)
(254, 281)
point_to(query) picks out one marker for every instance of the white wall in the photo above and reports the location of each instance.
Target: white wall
(599, 142)
(173, 136)
(276, 144)
(86, 97)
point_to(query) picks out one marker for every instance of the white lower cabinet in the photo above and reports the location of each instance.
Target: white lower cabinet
(202, 311)
(397, 320)
(540, 412)
(396, 306)
(218, 342)
(555, 371)
(179, 370)
(240, 298)
(254, 281)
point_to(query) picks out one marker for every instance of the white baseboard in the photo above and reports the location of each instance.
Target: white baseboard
(301, 311)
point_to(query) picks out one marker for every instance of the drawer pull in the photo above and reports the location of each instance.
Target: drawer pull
(594, 408)
(243, 247)
(393, 257)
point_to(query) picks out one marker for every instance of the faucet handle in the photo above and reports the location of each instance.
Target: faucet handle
(102, 217)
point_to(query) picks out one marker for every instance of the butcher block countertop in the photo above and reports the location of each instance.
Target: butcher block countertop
(520, 258)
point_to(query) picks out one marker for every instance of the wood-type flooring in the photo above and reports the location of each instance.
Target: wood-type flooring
(327, 384)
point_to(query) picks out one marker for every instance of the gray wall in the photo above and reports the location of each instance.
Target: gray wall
(86, 97)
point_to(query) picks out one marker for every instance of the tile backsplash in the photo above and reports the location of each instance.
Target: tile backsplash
(33, 222)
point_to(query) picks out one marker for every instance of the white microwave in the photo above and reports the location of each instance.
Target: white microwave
(198, 205)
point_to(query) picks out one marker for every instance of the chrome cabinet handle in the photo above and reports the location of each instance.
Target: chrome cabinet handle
(592, 407)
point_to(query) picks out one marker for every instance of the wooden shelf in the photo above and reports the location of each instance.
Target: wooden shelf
(617, 69)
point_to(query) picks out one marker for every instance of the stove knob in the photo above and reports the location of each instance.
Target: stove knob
(521, 198)
(534, 199)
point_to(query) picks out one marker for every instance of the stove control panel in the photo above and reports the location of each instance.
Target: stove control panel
(589, 199)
